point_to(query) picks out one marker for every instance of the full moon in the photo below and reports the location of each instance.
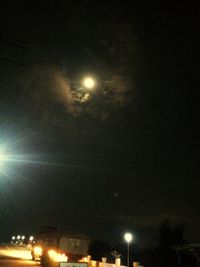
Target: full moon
(89, 83)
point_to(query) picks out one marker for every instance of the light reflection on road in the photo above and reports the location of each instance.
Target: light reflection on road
(18, 263)
(15, 252)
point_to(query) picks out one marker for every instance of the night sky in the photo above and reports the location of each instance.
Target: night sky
(123, 156)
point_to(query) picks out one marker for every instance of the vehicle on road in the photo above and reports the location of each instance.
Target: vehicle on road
(65, 250)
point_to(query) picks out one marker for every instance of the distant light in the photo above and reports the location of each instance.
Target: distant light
(13, 237)
(31, 238)
(23, 237)
(18, 237)
(89, 82)
(128, 237)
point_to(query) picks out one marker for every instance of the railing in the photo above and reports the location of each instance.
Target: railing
(117, 263)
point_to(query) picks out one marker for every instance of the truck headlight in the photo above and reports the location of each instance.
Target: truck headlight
(37, 251)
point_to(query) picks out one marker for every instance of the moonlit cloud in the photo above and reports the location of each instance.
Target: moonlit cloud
(46, 85)
(119, 86)
(51, 94)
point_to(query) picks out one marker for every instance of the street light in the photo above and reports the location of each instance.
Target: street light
(128, 237)
(13, 239)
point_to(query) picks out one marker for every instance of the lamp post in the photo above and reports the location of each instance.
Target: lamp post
(128, 237)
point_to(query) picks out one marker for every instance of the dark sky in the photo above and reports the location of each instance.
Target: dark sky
(122, 157)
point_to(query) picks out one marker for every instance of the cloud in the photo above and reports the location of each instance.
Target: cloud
(118, 87)
(53, 99)
(47, 92)
(46, 85)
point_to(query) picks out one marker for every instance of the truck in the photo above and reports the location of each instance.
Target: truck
(61, 249)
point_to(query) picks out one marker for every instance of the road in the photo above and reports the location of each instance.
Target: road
(16, 256)
(17, 263)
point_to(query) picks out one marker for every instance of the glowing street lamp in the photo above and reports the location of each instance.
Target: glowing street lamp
(128, 238)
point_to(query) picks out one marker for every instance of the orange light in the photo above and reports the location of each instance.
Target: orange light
(52, 254)
(62, 257)
(84, 259)
(37, 251)
(58, 257)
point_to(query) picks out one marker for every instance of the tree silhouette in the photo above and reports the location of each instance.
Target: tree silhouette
(177, 234)
(165, 234)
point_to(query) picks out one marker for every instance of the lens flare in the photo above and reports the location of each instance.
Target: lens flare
(2, 158)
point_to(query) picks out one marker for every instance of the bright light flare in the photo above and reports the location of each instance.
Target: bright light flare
(3, 158)
(57, 257)
(128, 237)
(84, 259)
(38, 251)
(89, 83)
